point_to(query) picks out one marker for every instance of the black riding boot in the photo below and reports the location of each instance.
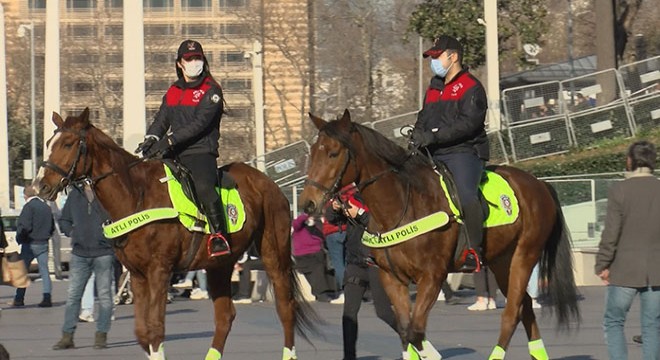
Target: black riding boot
(474, 220)
(217, 244)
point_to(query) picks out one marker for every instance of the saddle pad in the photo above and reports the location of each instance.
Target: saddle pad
(502, 202)
(188, 211)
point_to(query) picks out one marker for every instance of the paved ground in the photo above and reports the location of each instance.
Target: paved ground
(29, 333)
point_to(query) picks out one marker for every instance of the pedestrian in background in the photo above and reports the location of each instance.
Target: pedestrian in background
(34, 227)
(628, 253)
(82, 219)
(335, 237)
(486, 289)
(359, 275)
(310, 257)
(201, 291)
(248, 262)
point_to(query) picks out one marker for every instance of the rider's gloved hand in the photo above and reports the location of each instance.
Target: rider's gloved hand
(160, 148)
(145, 145)
(421, 138)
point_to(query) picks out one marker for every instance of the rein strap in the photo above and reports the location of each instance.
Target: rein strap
(406, 232)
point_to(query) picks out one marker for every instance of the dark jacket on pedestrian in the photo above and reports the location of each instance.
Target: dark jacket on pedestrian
(455, 113)
(82, 221)
(35, 223)
(630, 242)
(356, 253)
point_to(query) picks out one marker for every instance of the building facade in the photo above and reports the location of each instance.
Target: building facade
(91, 58)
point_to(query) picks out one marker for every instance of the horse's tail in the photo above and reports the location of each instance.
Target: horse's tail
(306, 317)
(556, 271)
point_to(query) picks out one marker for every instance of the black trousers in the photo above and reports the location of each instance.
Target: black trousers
(356, 281)
(313, 266)
(204, 170)
(245, 281)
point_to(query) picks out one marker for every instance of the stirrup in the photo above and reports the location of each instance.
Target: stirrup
(225, 250)
(468, 267)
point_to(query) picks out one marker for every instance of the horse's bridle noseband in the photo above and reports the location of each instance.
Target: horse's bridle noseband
(68, 176)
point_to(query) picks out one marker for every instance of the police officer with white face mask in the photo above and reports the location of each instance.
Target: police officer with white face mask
(451, 125)
(187, 128)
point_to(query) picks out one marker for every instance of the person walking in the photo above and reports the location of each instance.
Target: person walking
(187, 127)
(82, 219)
(628, 253)
(310, 258)
(452, 127)
(34, 227)
(485, 287)
(248, 262)
(359, 275)
(197, 293)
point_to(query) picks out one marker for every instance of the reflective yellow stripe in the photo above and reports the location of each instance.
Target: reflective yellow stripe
(132, 222)
(406, 232)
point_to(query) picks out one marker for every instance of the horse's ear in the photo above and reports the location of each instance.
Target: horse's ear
(57, 120)
(318, 122)
(84, 117)
(345, 121)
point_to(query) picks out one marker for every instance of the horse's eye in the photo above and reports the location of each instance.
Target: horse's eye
(333, 154)
(68, 145)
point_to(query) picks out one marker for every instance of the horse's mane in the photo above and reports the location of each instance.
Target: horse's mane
(407, 166)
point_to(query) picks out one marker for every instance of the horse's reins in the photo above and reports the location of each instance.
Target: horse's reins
(334, 193)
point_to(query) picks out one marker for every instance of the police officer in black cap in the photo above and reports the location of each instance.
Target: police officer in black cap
(187, 127)
(451, 125)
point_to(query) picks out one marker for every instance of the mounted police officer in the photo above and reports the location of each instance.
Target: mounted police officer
(187, 126)
(451, 125)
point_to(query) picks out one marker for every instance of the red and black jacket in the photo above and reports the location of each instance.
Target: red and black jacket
(190, 113)
(455, 113)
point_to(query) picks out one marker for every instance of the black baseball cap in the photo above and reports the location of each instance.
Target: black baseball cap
(189, 48)
(443, 43)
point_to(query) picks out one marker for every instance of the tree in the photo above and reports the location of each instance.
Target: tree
(519, 22)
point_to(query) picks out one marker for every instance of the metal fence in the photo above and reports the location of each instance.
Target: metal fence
(552, 117)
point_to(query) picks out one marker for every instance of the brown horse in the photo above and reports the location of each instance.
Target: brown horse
(400, 188)
(125, 185)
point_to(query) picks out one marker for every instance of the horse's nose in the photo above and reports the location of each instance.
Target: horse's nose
(310, 207)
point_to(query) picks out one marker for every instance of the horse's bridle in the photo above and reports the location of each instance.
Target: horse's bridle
(68, 176)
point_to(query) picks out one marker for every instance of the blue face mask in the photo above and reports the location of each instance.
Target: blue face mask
(438, 69)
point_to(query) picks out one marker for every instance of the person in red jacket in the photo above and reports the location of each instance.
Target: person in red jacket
(187, 127)
(451, 126)
(334, 230)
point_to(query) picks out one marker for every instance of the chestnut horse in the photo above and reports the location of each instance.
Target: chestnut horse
(125, 184)
(399, 188)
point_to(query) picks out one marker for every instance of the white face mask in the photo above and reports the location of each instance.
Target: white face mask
(192, 68)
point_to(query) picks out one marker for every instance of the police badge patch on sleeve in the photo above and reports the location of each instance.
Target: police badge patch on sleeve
(215, 98)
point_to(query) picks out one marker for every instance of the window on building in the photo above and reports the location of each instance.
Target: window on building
(36, 4)
(158, 85)
(243, 113)
(195, 30)
(81, 4)
(159, 30)
(160, 58)
(236, 85)
(195, 4)
(114, 30)
(82, 86)
(114, 3)
(233, 58)
(233, 3)
(82, 31)
(158, 4)
(234, 30)
(80, 59)
(114, 58)
(115, 85)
